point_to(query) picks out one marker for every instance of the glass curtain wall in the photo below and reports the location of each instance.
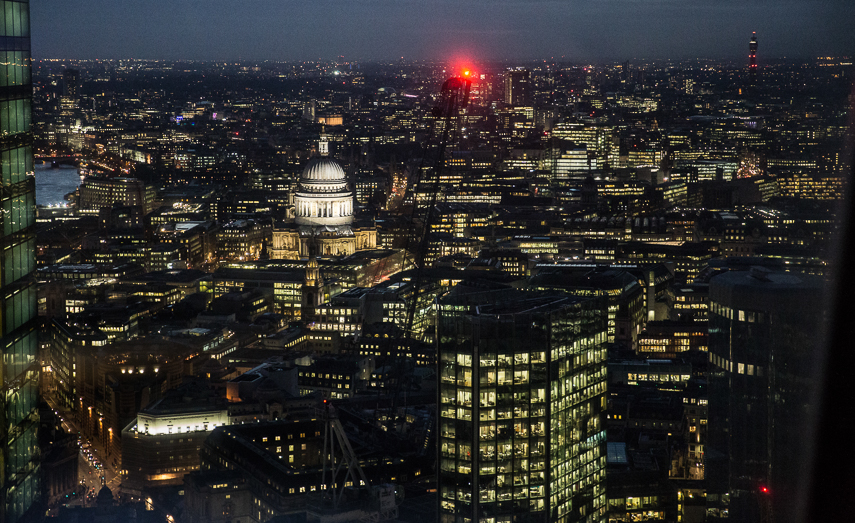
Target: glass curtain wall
(522, 392)
(19, 482)
(763, 328)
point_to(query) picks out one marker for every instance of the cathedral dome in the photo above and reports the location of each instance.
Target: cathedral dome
(322, 199)
(323, 169)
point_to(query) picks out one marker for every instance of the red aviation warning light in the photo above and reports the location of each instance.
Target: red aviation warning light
(453, 97)
(466, 72)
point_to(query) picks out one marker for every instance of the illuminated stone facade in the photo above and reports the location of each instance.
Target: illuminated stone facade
(97, 193)
(162, 444)
(324, 217)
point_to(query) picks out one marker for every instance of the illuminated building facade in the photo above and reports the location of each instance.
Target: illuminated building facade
(19, 461)
(336, 377)
(242, 240)
(595, 138)
(331, 119)
(808, 187)
(345, 312)
(626, 310)
(458, 218)
(689, 258)
(689, 303)
(96, 193)
(667, 339)
(162, 444)
(765, 332)
(571, 161)
(68, 341)
(70, 91)
(71, 83)
(284, 282)
(522, 397)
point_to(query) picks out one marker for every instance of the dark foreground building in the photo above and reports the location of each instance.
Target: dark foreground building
(765, 333)
(19, 463)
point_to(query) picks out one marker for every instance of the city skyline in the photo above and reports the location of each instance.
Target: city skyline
(513, 30)
(429, 277)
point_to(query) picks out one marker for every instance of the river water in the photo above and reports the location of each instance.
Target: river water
(53, 183)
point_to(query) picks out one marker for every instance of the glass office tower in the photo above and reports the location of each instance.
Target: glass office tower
(19, 482)
(521, 398)
(765, 351)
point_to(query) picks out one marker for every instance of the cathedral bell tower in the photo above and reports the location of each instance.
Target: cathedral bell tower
(323, 144)
(313, 291)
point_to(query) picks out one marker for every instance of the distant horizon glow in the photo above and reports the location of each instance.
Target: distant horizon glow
(380, 30)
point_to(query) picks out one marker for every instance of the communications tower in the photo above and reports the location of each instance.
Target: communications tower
(752, 58)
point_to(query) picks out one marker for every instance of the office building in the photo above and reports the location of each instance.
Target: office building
(310, 109)
(637, 485)
(20, 481)
(71, 83)
(518, 87)
(669, 339)
(162, 444)
(242, 240)
(626, 314)
(765, 344)
(100, 192)
(522, 396)
(70, 92)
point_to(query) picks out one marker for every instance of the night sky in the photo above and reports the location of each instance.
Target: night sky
(439, 29)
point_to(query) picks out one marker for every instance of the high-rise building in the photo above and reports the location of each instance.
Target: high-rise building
(765, 354)
(71, 83)
(522, 396)
(310, 110)
(752, 58)
(70, 92)
(19, 461)
(518, 87)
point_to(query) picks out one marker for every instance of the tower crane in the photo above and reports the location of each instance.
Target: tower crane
(453, 97)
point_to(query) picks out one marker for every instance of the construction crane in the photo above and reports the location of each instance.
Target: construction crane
(453, 97)
(346, 491)
(336, 444)
(764, 498)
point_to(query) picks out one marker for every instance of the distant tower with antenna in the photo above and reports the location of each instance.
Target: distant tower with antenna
(752, 59)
